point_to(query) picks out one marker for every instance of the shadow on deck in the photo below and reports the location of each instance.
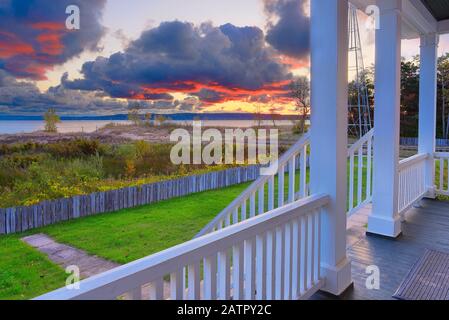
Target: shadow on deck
(426, 227)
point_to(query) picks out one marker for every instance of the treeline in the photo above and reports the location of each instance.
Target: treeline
(410, 96)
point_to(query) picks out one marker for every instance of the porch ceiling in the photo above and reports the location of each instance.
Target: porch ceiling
(439, 8)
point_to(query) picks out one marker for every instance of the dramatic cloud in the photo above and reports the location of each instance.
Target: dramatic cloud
(288, 29)
(17, 97)
(22, 97)
(33, 35)
(214, 64)
(176, 66)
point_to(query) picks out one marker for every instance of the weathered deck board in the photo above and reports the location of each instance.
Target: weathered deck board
(425, 228)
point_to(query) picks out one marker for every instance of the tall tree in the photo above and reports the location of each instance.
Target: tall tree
(409, 97)
(300, 91)
(443, 96)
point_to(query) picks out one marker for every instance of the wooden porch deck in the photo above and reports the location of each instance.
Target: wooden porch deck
(426, 227)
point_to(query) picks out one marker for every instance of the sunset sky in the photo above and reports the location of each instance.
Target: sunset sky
(163, 55)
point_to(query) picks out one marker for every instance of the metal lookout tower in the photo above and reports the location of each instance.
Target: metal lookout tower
(359, 111)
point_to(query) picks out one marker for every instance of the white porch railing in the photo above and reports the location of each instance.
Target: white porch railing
(360, 169)
(412, 181)
(442, 164)
(261, 196)
(275, 256)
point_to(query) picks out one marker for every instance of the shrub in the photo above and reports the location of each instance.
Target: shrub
(142, 149)
(6, 149)
(76, 148)
(39, 180)
(51, 119)
(130, 168)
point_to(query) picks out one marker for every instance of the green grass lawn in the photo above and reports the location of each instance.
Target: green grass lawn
(130, 234)
(437, 174)
(24, 272)
(122, 237)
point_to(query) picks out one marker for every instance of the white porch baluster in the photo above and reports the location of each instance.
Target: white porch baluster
(291, 179)
(210, 279)
(176, 289)
(271, 193)
(223, 275)
(250, 276)
(237, 272)
(281, 186)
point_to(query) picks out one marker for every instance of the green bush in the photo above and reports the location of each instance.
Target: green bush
(6, 149)
(76, 148)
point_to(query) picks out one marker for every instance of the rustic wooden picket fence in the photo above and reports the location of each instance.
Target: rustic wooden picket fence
(19, 219)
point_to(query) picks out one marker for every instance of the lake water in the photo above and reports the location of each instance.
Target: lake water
(66, 126)
(22, 126)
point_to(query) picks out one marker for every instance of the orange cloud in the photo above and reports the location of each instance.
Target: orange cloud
(195, 86)
(11, 46)
(293, 62)
(50, 43)
(50, 26)
(219, 94)
(36, 69)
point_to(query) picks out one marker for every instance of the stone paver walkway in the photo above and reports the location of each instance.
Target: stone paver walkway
(65, 256)
(89, 265)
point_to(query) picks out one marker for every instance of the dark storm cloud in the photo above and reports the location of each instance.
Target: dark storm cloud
(33, 35)
(178, 56)
(19, 97)
(290, 33)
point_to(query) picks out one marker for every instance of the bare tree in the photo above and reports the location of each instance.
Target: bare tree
(160, 119)
(300, 91)
(148, 118)
(258, 114)
(134, 116)
(274, 115)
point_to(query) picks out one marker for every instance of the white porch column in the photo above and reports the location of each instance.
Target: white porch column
(329, 99)
(428, 105)
(385, 219)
